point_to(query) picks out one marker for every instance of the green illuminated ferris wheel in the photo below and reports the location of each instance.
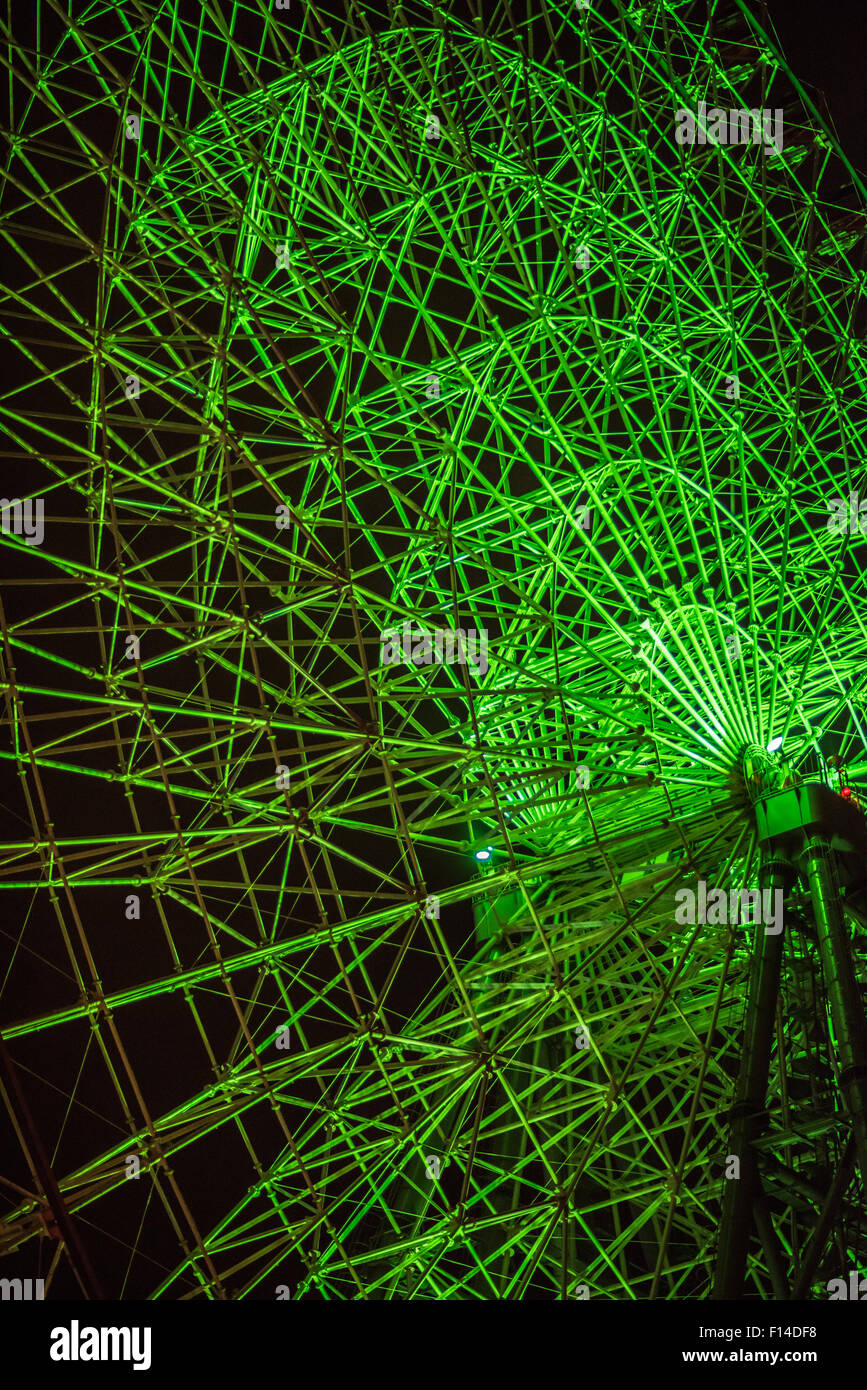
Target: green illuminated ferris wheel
(431, 531)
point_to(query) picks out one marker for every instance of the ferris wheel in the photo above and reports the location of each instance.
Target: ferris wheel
(439, 579)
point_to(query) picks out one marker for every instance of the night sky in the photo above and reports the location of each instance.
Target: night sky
(824, 45)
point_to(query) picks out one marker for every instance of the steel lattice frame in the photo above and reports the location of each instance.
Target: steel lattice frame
(427, 357)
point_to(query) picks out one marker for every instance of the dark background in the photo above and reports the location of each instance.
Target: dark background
(825, 47)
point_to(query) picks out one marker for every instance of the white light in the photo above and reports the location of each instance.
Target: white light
(484, 854)
(775, 745)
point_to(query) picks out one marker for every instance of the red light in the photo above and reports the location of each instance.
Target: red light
(846, 791)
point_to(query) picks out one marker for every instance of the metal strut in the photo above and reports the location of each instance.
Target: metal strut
(806, 829)
(748, 1115)
(75, 1249)
(847, 1013)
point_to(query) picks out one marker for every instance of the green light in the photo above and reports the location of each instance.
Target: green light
(374, 384)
